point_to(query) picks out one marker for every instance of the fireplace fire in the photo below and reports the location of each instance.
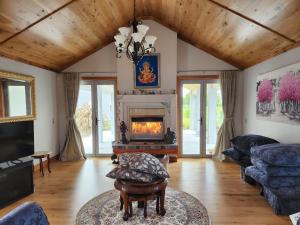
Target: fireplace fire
(148, 128)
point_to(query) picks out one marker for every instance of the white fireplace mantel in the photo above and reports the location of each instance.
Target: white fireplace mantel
(157, 101)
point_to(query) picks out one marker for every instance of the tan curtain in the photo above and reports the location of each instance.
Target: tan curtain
(73, 148)
(228, 81)
(2, 105)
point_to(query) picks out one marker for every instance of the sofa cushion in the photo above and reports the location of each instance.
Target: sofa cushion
(26, 214)
(125, 173)
(278, 154)
(238, 157)
(233, 154)
(244, 143)
(270, 181)
(275, 170)
(147, 163)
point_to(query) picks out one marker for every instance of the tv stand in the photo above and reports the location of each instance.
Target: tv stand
(16, 180)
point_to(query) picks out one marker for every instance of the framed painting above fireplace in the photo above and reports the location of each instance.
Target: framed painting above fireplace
(146, 72)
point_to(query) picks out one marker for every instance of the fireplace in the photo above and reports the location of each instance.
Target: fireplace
(147, 128)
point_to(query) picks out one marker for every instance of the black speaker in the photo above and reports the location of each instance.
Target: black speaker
(16, 181)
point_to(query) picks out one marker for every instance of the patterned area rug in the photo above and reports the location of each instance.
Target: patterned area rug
(182, 209)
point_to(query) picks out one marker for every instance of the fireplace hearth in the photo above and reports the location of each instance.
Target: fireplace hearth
(147, 128)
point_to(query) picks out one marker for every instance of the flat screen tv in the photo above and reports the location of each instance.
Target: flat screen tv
(16, 140)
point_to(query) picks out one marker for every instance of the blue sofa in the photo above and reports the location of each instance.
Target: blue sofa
(28, 213)
(240, 151)
(276, 167)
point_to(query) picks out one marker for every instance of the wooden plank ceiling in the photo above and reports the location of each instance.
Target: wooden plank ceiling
(55, 34)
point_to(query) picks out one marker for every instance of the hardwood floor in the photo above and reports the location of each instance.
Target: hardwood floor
(227, 198)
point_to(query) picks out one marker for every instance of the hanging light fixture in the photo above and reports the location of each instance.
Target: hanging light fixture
(133, 41)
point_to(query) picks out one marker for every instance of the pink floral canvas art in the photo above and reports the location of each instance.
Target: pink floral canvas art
(278, 95)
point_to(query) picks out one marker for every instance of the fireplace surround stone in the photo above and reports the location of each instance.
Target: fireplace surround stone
(135, 106)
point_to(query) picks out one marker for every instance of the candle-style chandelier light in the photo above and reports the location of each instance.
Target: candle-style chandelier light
(133, 41)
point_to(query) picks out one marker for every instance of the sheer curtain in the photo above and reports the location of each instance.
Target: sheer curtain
(73, 148)
(228, 81)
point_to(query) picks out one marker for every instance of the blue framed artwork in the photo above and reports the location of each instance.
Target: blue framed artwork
(146, 73)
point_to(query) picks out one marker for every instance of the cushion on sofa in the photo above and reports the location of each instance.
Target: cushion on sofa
(26, 214)
(147, 163)
(270, 181)
(275, 170)
(244, 143)
(278, 154)
(233, 154)
(238, 157)
(125, 173)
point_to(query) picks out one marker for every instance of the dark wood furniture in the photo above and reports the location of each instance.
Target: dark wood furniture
(131, 191)
(40, 156)
(16, 180)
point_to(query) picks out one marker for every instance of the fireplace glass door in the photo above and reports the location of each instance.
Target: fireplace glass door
(201, 116)
(147, 128)
(95, 116)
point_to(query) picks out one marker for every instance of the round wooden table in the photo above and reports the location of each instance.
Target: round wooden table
(131, 191)
(40, 156)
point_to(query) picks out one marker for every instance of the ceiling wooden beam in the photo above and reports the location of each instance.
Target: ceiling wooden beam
(36, 22)
(253, 21)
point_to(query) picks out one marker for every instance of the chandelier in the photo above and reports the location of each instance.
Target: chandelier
(133, 41)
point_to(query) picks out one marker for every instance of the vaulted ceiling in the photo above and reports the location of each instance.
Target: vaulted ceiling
(54, 34)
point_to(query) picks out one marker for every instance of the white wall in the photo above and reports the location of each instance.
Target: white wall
(190, 59)
(103, 60)
(45, 125)
(166, 46)
(285, 133)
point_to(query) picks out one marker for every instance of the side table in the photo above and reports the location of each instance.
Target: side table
(40, 156)
(131, 191)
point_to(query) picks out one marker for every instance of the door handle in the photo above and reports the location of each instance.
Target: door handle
(201, 121)
(96, 121)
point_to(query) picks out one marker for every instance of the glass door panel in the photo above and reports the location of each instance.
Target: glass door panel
(214, 115)
(105, 117)
(83, 117)
(190, 118)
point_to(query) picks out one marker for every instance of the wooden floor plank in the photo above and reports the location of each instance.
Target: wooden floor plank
(218, 186)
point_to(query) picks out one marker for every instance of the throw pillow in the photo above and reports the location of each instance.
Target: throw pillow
(233, 154)
(238, 157)
(124, 158)
(244, 143)
(147, 163)
(125, 173)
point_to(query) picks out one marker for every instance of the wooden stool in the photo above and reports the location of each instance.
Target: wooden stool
(131, 191)
(40, 156)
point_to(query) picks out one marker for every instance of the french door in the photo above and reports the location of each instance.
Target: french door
(95, 115)
(201, 116)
